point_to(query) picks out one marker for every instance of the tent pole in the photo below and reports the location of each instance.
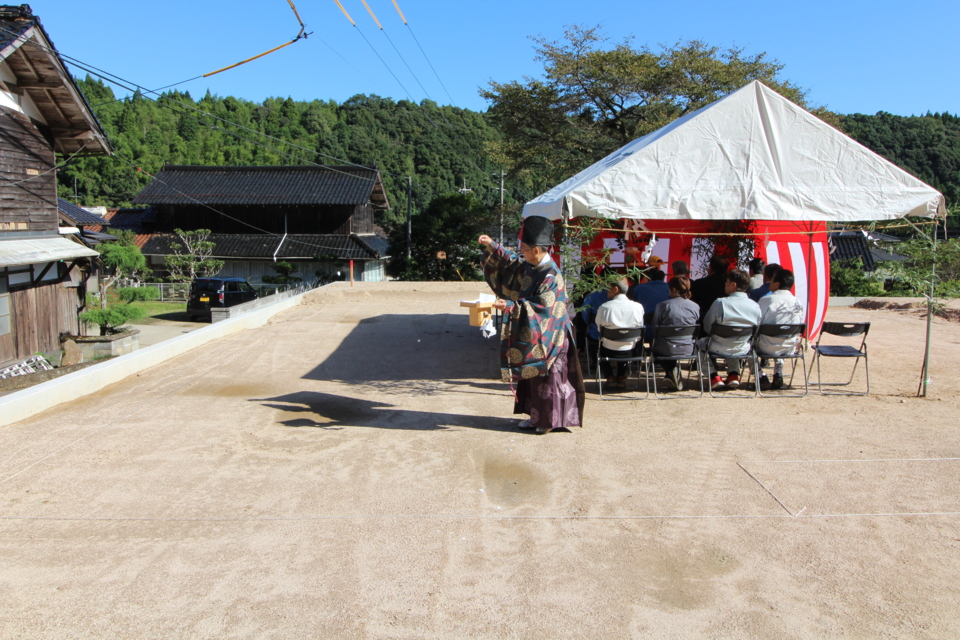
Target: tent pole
(925, 376)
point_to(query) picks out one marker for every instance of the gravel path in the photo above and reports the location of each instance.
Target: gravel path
(351, 470)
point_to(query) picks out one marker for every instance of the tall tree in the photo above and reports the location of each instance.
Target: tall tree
(593, 99)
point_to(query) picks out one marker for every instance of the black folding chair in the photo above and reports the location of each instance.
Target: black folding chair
(635, 355)
(843, 330)
(745, 333)
(647, 321)
(783, 332)
(661, 337)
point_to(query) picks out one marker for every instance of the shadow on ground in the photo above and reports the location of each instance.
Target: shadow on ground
(328, 411)
(396, 347)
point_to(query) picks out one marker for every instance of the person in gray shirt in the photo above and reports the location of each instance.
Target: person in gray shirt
(678, 311)
(737, 310)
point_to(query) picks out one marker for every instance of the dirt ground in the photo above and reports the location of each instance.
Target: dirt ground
(352, 470)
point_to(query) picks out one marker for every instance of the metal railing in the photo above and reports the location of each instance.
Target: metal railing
(180, 291)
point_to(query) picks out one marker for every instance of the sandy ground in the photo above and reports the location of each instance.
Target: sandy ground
(351, 470)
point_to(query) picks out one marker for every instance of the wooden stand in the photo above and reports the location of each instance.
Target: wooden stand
(479, 311)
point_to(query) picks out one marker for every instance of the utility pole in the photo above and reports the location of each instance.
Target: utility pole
(409, 212)
(502, 174)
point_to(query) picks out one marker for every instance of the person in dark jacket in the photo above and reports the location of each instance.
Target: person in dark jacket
(706, 290)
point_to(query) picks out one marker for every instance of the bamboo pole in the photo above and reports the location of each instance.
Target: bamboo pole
(925, 376)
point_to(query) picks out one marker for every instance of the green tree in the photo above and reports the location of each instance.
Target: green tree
(192, 256)
(443, 240)
(593, 99)
(121, 259)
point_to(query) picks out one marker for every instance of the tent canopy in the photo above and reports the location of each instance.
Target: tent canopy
(752, 155)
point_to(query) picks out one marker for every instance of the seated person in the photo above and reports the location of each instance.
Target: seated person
(677, 311)
(712, 286)
(736, 310)
(756, 273)
(780, 307)
(654, 291)
(619, 313)
(592, 304)
(680, 268)
(764, 288)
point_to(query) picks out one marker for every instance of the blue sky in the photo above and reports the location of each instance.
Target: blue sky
(851, 56)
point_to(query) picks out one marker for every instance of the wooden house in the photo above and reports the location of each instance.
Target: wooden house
(42, 113)
(316, 217)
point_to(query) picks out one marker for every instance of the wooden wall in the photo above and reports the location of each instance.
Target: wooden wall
(28, 189)
(38, 316)
(338, 219)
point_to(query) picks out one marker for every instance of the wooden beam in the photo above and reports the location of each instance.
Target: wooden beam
(38, 84)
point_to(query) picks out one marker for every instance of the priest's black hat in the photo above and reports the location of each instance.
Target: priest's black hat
(537, 231)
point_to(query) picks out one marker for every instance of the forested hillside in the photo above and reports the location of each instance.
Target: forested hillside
(441, 147)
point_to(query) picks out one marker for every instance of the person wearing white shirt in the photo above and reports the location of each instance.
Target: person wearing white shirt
(780, 307)
(619, 313)
(735, 310)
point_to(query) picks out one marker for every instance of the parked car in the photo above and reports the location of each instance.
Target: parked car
(207, 293)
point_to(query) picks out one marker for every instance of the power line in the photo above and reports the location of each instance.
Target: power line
(415, 39)
(132, 86)
(215, 210)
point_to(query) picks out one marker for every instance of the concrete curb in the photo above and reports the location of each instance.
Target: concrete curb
(23, 404)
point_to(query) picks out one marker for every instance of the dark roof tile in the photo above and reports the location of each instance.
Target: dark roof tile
(78, 215)
(293, 185)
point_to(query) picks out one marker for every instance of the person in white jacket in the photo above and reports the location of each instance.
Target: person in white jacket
(736, 310)
(780, 307)
(619, 313)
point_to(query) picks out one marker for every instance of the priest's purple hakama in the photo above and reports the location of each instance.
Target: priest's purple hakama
(537, 352)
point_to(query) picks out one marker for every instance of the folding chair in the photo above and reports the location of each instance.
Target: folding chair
(843, 330)
(747, 333)
(663, 335)
(783, 332)
(637, 354)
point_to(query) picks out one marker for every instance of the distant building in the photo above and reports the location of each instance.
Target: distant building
(849, 246)
(316, 217)
(42, 112)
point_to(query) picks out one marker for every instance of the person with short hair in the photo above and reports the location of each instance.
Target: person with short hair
(677, 311)
(780, 307)
(764, 289)
(707, 289)
(756, 273)
(619, 313)
(736, 310)
(654, 291)
(680, 268)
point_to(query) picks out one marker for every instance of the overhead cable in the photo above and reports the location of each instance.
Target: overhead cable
(425, 57)
(302, 34)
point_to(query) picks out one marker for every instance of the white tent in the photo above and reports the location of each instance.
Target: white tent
(752, 155)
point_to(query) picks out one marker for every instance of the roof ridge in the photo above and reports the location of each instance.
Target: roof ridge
(251, 167)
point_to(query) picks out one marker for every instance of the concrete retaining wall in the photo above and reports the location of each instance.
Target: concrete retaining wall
(28, 402)
(219, 314)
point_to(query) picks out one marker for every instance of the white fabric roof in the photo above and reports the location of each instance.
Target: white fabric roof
(39, 250)
(751, 155)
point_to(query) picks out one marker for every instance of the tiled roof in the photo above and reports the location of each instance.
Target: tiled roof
(278, 186)
(848, 246)
(851, 245)
(78, 215)
(37, 68)
(260, 246)
(13, 23)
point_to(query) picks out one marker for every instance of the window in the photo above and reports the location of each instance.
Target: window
(4, 306)
(233, 287)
